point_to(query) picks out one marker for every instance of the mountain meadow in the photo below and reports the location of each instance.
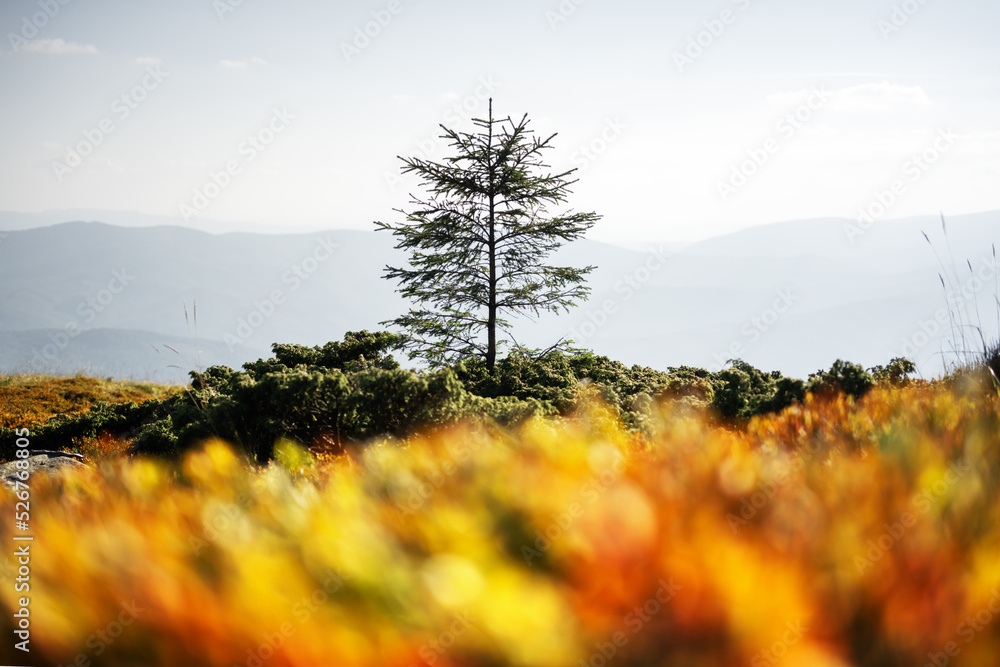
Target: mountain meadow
(407, 496)
(326, 506)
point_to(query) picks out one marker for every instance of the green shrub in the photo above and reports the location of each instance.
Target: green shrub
(352, 391)
(556, 378)
(157, 439)
(895, 373)
(843, 377)
(310, 403)
(360, 351)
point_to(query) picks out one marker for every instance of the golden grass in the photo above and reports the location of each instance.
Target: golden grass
(27, 401)
(833, 534)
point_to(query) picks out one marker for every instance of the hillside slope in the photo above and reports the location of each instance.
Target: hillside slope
(792, 296)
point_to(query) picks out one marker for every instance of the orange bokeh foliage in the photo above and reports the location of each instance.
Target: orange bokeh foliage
(836, 533)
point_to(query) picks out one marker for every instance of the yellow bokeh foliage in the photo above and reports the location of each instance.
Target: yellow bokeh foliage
(835, 533)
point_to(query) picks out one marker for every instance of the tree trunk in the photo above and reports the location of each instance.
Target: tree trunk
(491, 347)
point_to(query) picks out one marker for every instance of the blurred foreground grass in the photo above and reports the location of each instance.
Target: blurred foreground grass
(831, 534)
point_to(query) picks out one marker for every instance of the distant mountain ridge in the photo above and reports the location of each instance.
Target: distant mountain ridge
(791, 296)
(898, 242)
(15, 221)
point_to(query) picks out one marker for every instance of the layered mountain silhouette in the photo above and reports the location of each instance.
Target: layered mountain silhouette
(149, 301)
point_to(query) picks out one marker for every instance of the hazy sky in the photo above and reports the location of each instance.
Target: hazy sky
(700, 117)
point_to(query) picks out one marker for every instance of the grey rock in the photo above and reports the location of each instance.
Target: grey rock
(51, 454)
(41, 462)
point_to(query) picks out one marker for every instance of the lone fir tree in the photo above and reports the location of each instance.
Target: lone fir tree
(478, 243)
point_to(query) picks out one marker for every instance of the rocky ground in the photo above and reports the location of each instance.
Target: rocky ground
(42, 462)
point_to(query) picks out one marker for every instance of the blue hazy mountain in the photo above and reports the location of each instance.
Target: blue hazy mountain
(792, 296)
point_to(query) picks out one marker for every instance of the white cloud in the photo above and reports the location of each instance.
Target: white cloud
(880, 97)
(58, 47)
(867, 97)
(147, 60)
(239, 64)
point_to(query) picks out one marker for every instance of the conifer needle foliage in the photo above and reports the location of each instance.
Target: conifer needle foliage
(479, 239)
